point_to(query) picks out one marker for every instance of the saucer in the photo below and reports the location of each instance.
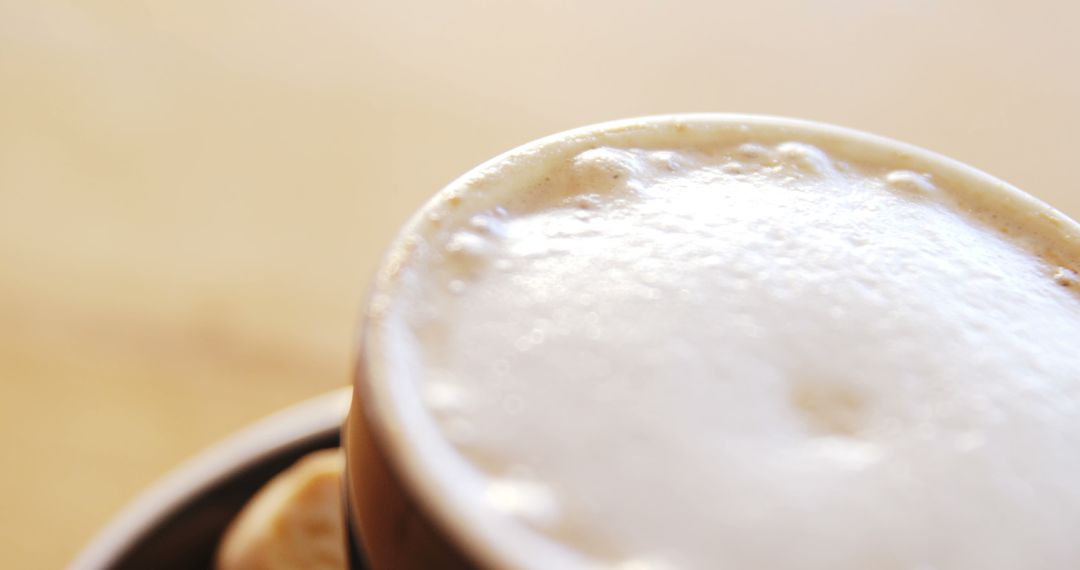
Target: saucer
(177, 523)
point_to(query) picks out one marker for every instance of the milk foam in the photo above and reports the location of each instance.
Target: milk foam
(771, 354)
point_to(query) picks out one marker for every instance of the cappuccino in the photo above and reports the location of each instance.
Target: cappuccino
(702, 342)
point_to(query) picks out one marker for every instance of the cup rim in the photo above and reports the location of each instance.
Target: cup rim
(395, 423)
(296, 425)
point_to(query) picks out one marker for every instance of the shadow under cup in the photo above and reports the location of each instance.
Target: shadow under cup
(396, 508)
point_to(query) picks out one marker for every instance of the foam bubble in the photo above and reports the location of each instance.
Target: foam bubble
(733, 168)
(910, 182)
(665, 160)
(1066, 277)
(605, 169)
(486, 224)
(806, 158)
(755, 153)
(527, 500)
(466, 244)
(466, 252)
(442, 395)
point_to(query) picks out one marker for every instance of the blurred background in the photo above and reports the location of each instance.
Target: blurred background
(193, 194)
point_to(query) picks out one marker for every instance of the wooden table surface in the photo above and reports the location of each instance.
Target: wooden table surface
(193, 194)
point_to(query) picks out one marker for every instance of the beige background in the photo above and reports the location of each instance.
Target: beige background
(192, 194)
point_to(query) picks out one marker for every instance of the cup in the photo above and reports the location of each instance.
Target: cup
(402, 507)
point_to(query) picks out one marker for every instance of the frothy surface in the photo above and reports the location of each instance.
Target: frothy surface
(747, 355)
